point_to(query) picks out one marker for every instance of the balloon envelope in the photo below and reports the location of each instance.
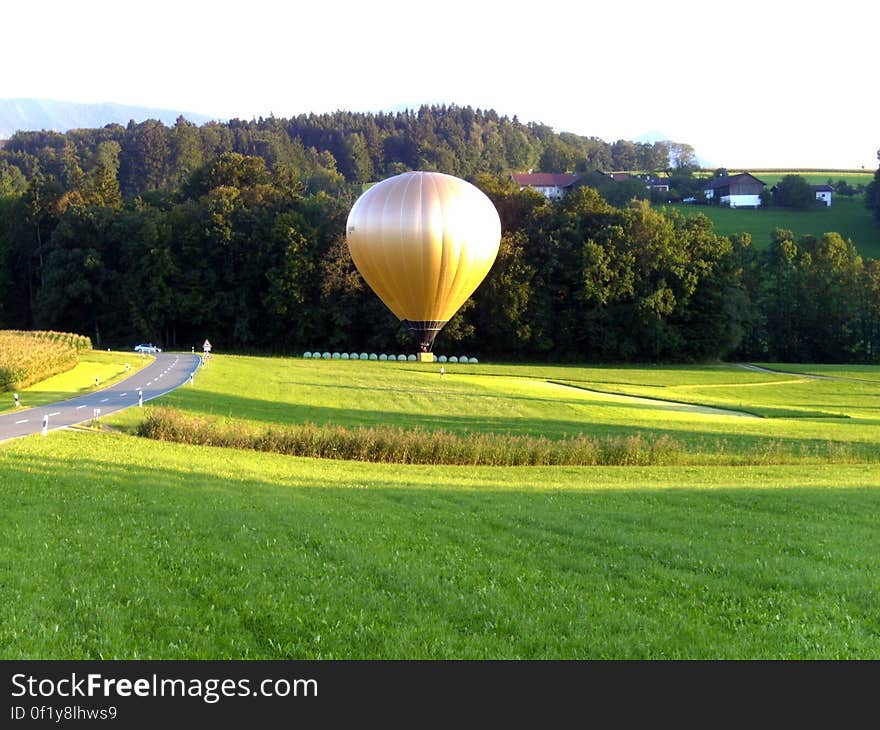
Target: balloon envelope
(423, 241)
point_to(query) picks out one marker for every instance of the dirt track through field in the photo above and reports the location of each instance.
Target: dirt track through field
(662, 404)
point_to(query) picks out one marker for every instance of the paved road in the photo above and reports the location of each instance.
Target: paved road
(167, 372)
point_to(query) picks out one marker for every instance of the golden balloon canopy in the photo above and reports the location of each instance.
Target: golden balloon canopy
(423, 241)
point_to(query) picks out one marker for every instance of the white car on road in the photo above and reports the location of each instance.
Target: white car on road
(147, 348)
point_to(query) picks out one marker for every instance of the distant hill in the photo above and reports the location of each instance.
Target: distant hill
(61, 116)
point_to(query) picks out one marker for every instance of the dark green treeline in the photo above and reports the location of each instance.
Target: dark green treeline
(236, 232)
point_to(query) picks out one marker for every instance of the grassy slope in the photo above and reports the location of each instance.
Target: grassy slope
(852, 372)
(122, 548)
(846, 216)
(125, 548)
(771, 177)
(496, 398)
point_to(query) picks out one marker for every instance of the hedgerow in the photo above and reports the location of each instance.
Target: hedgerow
(408, 446)
(393, 445)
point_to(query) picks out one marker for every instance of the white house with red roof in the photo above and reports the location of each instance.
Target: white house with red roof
(551, 185)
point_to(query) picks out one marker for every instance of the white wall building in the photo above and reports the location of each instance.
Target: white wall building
(738, 191)
(551, 185)
(823, 193)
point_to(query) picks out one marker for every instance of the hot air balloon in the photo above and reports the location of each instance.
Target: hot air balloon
(423, 241)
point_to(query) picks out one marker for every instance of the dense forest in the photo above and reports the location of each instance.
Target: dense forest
(235, 232)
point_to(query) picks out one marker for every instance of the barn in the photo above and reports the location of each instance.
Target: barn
(738, 191)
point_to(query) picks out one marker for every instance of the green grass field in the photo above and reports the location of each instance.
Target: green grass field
(847, 216)
(813, 177)
(122, 547)
(547, 401)
(869, 373)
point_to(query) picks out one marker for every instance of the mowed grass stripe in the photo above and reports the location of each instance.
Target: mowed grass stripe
(125, 548)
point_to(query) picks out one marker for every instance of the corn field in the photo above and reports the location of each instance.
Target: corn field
(29, 357)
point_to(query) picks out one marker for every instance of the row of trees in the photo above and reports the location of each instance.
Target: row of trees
(325, 150)
(244, 253)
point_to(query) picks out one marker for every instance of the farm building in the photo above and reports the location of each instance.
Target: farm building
(823, 193)
(738, 191)
(552, 186)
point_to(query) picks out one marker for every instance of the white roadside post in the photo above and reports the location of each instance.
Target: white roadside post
(140, 398)
(45, 430)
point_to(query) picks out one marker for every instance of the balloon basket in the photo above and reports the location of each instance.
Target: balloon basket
(426, 357)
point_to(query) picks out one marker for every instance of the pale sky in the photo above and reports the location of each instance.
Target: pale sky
(770, 83)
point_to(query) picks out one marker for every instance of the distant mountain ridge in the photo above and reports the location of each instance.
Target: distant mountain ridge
(61, 116)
